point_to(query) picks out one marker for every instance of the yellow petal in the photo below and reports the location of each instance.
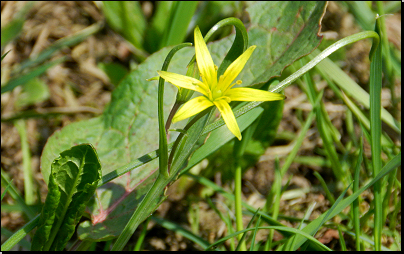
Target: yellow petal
(192, 107)
(251, 94)
(184, 81)
(204, 60)
(234, 69)
(228, 117)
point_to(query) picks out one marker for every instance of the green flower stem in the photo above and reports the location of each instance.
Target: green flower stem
(163, 150)
(174, 110)
(238, 151)
(237, 195)
(141, 211)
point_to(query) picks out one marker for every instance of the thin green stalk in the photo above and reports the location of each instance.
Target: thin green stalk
(375, 132)
(277, 186)
(239, 148)
(237, 195)
(328, 194)
(26, 162)
(142, 235)
(140, 212)
(386, 55)
(355, 203)
(163, 150)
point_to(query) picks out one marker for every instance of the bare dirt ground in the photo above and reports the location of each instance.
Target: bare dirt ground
(79, 83)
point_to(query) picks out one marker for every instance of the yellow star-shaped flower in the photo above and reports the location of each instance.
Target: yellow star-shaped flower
(216, 92)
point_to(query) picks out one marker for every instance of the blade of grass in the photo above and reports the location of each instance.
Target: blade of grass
(375, 84)
(26, 162)
(323, 123)
(355, 203)
(241, 241)
(351, 88)
(279, 228)
(142, 235)
(14, 193)
(252, 246)
(276, 191)
(182, 231)
(181, 15)
(6, 189)
(227, 220)
(20, 234)
(20, 80)
(67, 41)
(328, 194)
(341, 238)
(312, 226)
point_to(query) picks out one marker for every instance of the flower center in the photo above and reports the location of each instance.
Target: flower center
(217, 94)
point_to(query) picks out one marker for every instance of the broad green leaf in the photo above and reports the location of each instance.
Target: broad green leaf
(114, 71)
(283, 31)
(73, 179)
(128, 128)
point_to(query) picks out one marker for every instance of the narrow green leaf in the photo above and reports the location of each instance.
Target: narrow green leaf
(73, 180)
(176, 29)
(16, 195)
(20, 234)
(163, 150)
(5, 190)
(312, 227)
(375, 94)
(67, 41)
(20, 80)
(178, 229)
(126, 17)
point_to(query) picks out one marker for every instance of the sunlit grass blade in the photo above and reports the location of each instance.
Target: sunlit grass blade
(180, 17)
(351, 88)
(22, 243)
(20, 234)
(322, 120)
